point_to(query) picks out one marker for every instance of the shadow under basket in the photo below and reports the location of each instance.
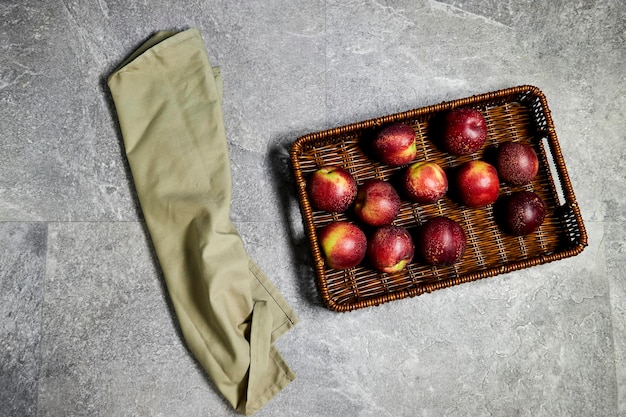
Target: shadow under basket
(517, 114)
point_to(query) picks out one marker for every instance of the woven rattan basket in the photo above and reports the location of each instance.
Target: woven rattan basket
(520, 114)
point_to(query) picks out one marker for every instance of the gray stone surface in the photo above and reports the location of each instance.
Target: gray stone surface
(22, 257)
(85, 322)
(110, 345)
(615, 253)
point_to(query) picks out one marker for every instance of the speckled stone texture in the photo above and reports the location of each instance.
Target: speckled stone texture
(22, 256)
(86, 328)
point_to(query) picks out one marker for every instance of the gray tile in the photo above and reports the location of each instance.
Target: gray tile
(263, 185)
(22, 264)
(614, 240)
(384, 58)
(283, 254)
(110, 345)
(253, 186)
(272, 57)
(65, 153)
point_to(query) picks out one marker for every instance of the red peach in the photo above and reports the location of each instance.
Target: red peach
(395, 144)
(523, 213)
(464, 131)
(377, 203)
(517, 163)
(425, 182)
(390, 249)
(332, 189)
(344, 244)
(441, 241)
(477, 183)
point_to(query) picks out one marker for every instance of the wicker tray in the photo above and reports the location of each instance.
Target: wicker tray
(518, 114)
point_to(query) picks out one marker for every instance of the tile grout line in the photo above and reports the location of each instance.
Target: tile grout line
(44, 278)
(610, 285)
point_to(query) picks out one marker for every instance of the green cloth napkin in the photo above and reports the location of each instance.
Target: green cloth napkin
(168, 101)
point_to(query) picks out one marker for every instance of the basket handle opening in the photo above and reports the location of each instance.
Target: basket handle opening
(554, 173)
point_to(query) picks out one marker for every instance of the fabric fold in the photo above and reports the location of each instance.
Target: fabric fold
(168, 101)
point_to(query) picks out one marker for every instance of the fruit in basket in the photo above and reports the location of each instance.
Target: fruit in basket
(516, 163)
(522, 213)
(332, 189)
(377, 203)
(424, 182)
(441, 241)
(395, 144)
(343, 244)
(390, 249)
(477, 183)
(464, 131)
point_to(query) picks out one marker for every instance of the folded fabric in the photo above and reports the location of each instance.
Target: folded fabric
(168, 102)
